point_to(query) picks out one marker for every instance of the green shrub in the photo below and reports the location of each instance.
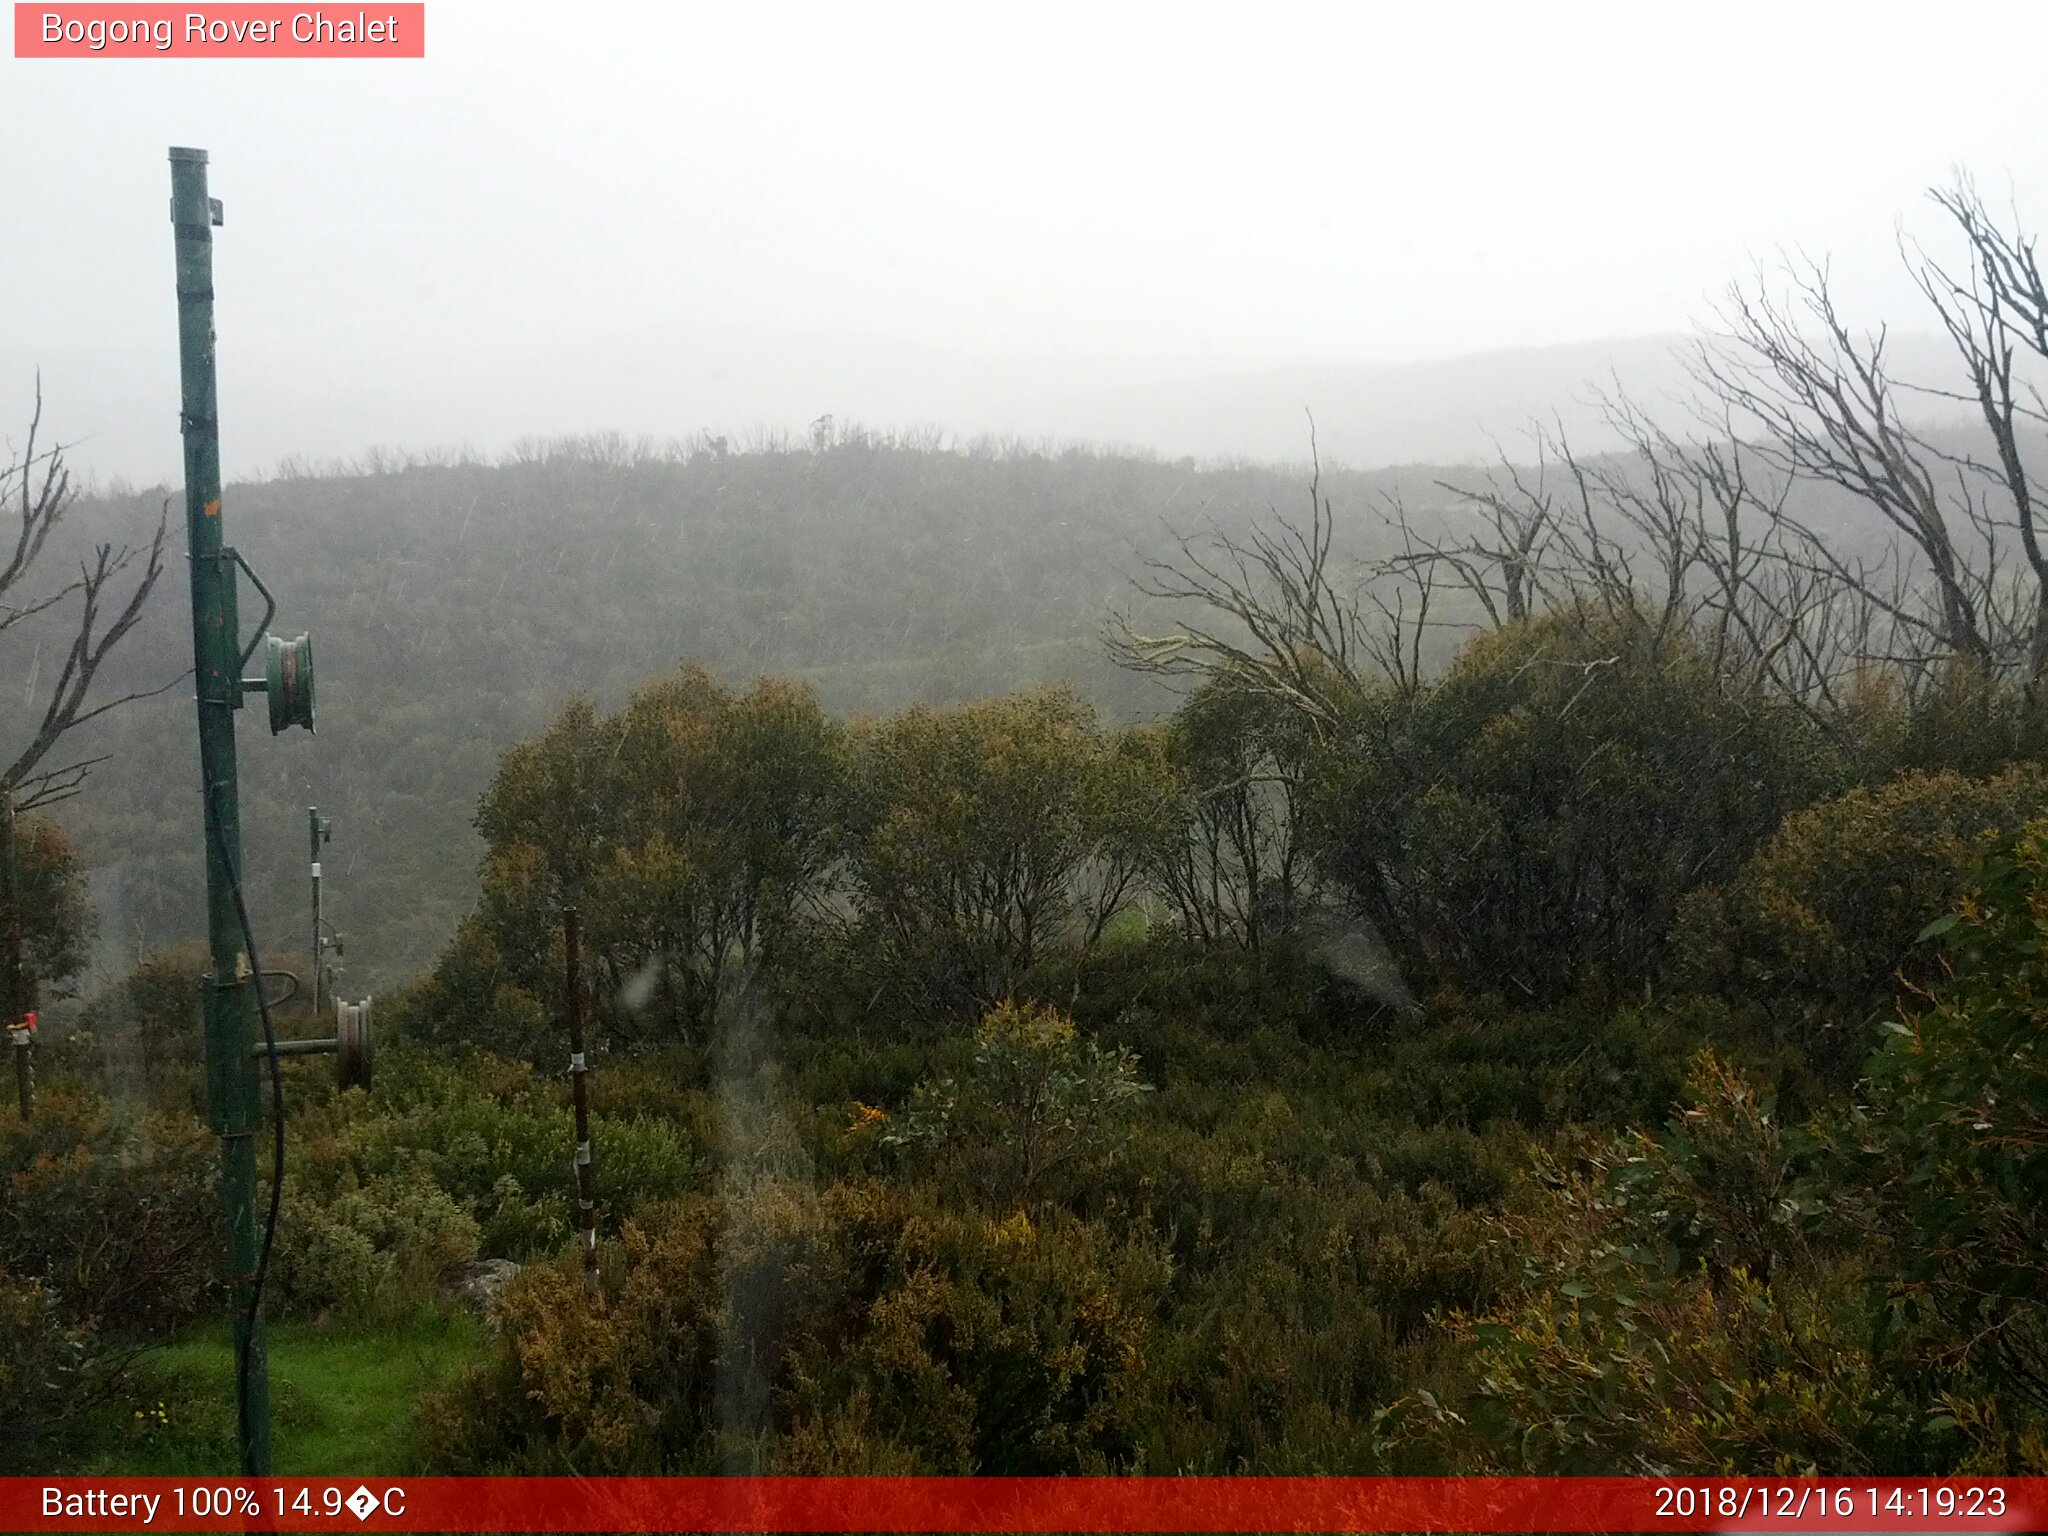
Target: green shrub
(1684, 1313)
(56, 916)
(1531, 822)
(1819, 925)
(376, 1250)
(492, 1137)
(982, 836)
(53, 1370)
(1958, 1127)
(859, 1327)
(1032, 1110)
(1232, 868)
(141, 1036)
(114, 1211)
(1958, 724)
(470, 1000)
(1640, 1373)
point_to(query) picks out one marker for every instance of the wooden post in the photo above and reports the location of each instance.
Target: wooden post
(25, 1071)
(579, 1093)
(17, 1003)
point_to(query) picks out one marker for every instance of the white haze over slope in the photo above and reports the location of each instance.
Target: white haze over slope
(1173, 225)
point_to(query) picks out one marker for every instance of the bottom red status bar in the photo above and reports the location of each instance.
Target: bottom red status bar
(1076, 1504)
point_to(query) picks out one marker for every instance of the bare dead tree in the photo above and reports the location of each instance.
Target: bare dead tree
(1736, 569)
(1693, 534)
(38, 491)
(1597, 537)
(1265, 609)
(1546, 542)
(1683, 536)
(1821, 404)
(1994, 309)
(1400, 590)
(111, 588)
(1679, 536)
(1501, 564)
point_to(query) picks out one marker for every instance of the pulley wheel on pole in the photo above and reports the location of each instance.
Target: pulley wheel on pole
(288, 681)
(354, 1046)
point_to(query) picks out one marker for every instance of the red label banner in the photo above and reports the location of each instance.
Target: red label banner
(233, 31)
(1077, 1504)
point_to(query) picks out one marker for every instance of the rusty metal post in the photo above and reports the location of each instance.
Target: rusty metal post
(579, 1093)
(25, 1071)
(17, 996)
(320, 830)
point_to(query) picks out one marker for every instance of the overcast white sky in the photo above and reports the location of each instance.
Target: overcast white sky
(558, 187)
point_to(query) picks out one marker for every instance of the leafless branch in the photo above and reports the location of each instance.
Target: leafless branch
(39, 486)
(1263, 608)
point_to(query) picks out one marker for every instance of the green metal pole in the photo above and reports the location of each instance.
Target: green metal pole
(233, 1102)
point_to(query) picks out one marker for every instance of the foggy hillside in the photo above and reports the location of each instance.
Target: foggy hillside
(455, 604)
(751, 384)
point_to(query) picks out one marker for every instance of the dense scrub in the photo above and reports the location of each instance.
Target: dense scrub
(454, 603)
(1576, 1065)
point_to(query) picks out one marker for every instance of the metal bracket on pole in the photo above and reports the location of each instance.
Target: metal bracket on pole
(352, 1045)
(269, 608)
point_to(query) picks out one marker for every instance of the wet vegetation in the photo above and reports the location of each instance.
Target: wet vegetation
(958, 1109)
(1557, 988)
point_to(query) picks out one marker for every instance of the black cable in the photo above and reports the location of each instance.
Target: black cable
(277, 1100)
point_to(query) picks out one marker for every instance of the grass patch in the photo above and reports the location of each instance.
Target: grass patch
(342, 1400)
